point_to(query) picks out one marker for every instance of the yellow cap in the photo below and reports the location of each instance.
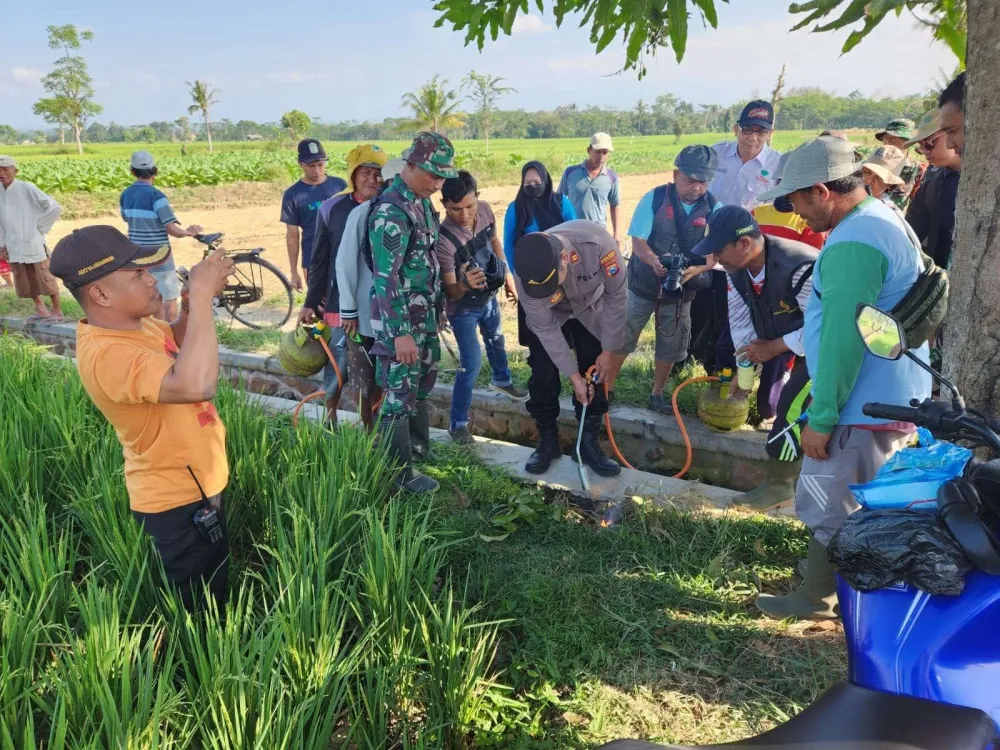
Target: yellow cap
(365, 155)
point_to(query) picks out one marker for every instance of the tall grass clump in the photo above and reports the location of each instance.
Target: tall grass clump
(343, 627)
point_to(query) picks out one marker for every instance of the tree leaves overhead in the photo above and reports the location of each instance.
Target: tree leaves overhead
(646, 26)
(643, 26)
(947, 18)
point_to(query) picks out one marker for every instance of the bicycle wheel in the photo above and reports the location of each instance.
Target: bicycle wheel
(258, 295)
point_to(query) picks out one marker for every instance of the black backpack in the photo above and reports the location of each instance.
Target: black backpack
(923, 309)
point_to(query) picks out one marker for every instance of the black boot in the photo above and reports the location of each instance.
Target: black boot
(396, 433)
(420, 432)
(590, 450)
(548, 448)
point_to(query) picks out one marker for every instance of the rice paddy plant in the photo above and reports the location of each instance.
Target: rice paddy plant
(112, 682)
(232, 668)
(341, 622)
(38, 560)
(23, 630)
(459, 654)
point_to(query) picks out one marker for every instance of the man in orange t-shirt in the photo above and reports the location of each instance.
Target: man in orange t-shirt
(154, 382)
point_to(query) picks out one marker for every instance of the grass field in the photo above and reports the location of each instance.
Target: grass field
(381, 622)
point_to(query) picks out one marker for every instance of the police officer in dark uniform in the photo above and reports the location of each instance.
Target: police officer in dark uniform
(770, 281)
(571, 283)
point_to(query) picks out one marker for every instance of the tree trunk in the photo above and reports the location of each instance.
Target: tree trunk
(972, 341)
(208, 132)
(486, 132)
(62, 134)
(78, 132)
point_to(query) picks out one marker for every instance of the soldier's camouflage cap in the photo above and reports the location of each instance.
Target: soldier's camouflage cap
(901, 128)
(433, 153)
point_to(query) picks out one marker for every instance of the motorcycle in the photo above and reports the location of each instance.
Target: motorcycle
(923, 671)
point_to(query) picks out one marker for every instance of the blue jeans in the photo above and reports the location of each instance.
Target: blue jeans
(338, 345)
(464, 323)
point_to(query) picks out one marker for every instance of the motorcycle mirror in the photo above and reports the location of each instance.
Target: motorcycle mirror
(881, 333)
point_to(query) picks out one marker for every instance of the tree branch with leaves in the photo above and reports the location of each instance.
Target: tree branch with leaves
(646, 26)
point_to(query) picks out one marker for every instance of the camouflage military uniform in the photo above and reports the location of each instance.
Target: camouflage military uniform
(407, 293)
(911, 169)
(910, 172)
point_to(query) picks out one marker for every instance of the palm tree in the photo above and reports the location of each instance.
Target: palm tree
(204, 97)
(434, 107)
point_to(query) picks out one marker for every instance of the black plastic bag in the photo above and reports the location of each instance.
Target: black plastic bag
(877, 548)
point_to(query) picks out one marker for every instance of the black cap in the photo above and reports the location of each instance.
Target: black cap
(697, 162)
(536, 260)
(726, 225)
(311, 150)
(91, 253)
(759, 113)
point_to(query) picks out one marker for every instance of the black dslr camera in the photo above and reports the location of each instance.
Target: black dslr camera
(676, 265)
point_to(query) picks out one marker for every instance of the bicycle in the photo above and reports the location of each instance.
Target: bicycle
(258, 294)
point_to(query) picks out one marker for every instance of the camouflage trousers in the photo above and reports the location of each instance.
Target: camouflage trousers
(404, 385)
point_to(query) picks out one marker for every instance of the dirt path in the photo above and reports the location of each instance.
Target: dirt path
(258, 226)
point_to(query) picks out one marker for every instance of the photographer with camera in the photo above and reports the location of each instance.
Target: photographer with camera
(472, 271)
(663, 276)
(154, 382)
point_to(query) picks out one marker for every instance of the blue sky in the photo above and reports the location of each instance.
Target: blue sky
(345, 60)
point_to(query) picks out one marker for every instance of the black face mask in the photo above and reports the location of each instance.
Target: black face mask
(534, 190)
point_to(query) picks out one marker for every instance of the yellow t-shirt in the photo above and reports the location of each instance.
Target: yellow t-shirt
(122, 371)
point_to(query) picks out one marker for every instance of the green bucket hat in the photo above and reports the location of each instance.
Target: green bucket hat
(901, 128)
(433, 153)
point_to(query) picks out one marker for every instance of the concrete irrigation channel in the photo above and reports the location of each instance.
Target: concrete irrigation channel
(723, 463)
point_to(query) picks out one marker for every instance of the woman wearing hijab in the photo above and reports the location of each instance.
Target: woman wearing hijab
(535, 208)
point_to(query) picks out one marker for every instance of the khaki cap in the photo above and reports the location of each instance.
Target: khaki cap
(886, 162)
(930, 123)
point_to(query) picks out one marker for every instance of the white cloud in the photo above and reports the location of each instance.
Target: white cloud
(297, 76)
(25, 76)
(530, 24)
(18, 80)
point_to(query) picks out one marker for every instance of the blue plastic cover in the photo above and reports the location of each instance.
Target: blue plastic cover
(912, 476)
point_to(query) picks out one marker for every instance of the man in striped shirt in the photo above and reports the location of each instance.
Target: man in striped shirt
(151, 223)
